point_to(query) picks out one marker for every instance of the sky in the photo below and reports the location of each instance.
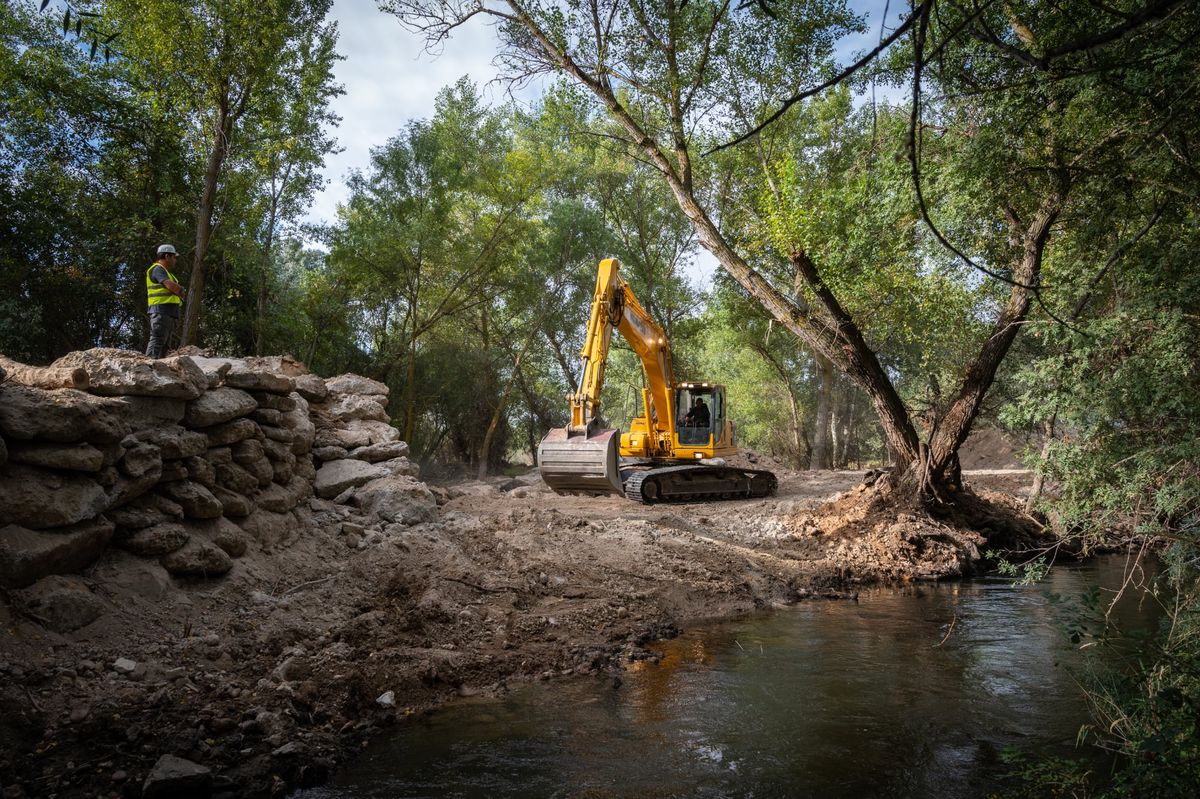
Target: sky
(389, 81)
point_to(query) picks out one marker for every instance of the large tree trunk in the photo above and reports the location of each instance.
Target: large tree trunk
(1039, 479)
(278, 184)
(223, 127)
(485, 450)
(953, 427)
(935, 477)
(820, 449)
(264, 282)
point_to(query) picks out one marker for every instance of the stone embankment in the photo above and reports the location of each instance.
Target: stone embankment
(188, 461)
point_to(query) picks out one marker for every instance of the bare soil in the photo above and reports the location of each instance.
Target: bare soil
(277, 673)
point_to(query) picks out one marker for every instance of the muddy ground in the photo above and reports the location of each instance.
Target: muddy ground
(275, 674)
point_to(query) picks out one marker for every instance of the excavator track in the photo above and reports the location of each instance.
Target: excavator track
(696, 483)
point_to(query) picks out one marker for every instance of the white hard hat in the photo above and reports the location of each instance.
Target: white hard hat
(163, 249)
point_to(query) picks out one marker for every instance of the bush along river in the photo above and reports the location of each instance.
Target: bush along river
(908, 692)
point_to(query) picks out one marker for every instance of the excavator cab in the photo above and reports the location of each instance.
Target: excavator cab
(698, 413)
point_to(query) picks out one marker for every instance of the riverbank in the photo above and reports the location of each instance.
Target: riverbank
(270, 677)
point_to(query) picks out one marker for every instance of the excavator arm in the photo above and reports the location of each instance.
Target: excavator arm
(583, 456)
(614, 306)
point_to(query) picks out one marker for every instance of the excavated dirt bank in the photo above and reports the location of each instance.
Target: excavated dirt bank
(272, 675)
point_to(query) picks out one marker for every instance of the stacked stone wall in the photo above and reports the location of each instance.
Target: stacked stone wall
(189, 460)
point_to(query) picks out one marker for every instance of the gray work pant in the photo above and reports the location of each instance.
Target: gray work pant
(161, 327)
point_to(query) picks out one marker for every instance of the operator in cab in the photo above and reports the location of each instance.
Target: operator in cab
(698, 416)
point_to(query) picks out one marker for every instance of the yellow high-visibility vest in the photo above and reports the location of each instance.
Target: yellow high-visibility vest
(157, 293)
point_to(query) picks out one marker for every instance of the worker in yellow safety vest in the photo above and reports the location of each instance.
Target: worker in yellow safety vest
(164, 295)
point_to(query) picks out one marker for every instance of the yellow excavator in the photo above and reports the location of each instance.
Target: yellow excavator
(673, 451)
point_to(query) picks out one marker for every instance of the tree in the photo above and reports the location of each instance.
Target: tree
(424, 232)
(219, 64)
(671, 74)
(86, 178)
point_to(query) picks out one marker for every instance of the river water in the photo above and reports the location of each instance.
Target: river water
(909, 692)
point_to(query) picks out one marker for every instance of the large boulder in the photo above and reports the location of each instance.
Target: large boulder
(305, 468)
(277, 451)
(61, 415)
(201, 471)
(231, 432)
(139, 459)
(355, 384)
(312, 388)
(63, 604)
(218, 405)
(147, 413)
(141, 512)
(222, 532)
(274, 402)
(174, 441)
(235, 478)
(27, 556)
(246, 373)
(283, 469)
(214, 369)
(136, 515)
(254, 379)
(342, 439)
(397, 499)
(336, 476)
(197, 558)
(161, 539)
(196, 500)
(219, 455)
(39, 498)
(353, 406)
(401, 466)
(280, 434)
(79, 457)
(113, 372)
(284, 365)
(377, 432)
(232, 503)
(247, 452)
(262, 471)
(267, 416)
(373, 453)
(275, 498)
(175, 778)
(127, 488)
(300, 423)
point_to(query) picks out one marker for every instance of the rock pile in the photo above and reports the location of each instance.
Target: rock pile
(189, 460)
(363, 461)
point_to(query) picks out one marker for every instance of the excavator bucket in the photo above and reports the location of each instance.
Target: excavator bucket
(583, 464)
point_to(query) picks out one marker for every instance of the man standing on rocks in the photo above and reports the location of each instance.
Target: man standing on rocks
(164, 295)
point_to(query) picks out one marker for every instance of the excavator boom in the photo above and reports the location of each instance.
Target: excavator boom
(582, 457)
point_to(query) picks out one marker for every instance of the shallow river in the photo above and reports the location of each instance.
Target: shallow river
(906, 693)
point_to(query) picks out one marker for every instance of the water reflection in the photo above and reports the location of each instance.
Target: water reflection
(905, 693)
